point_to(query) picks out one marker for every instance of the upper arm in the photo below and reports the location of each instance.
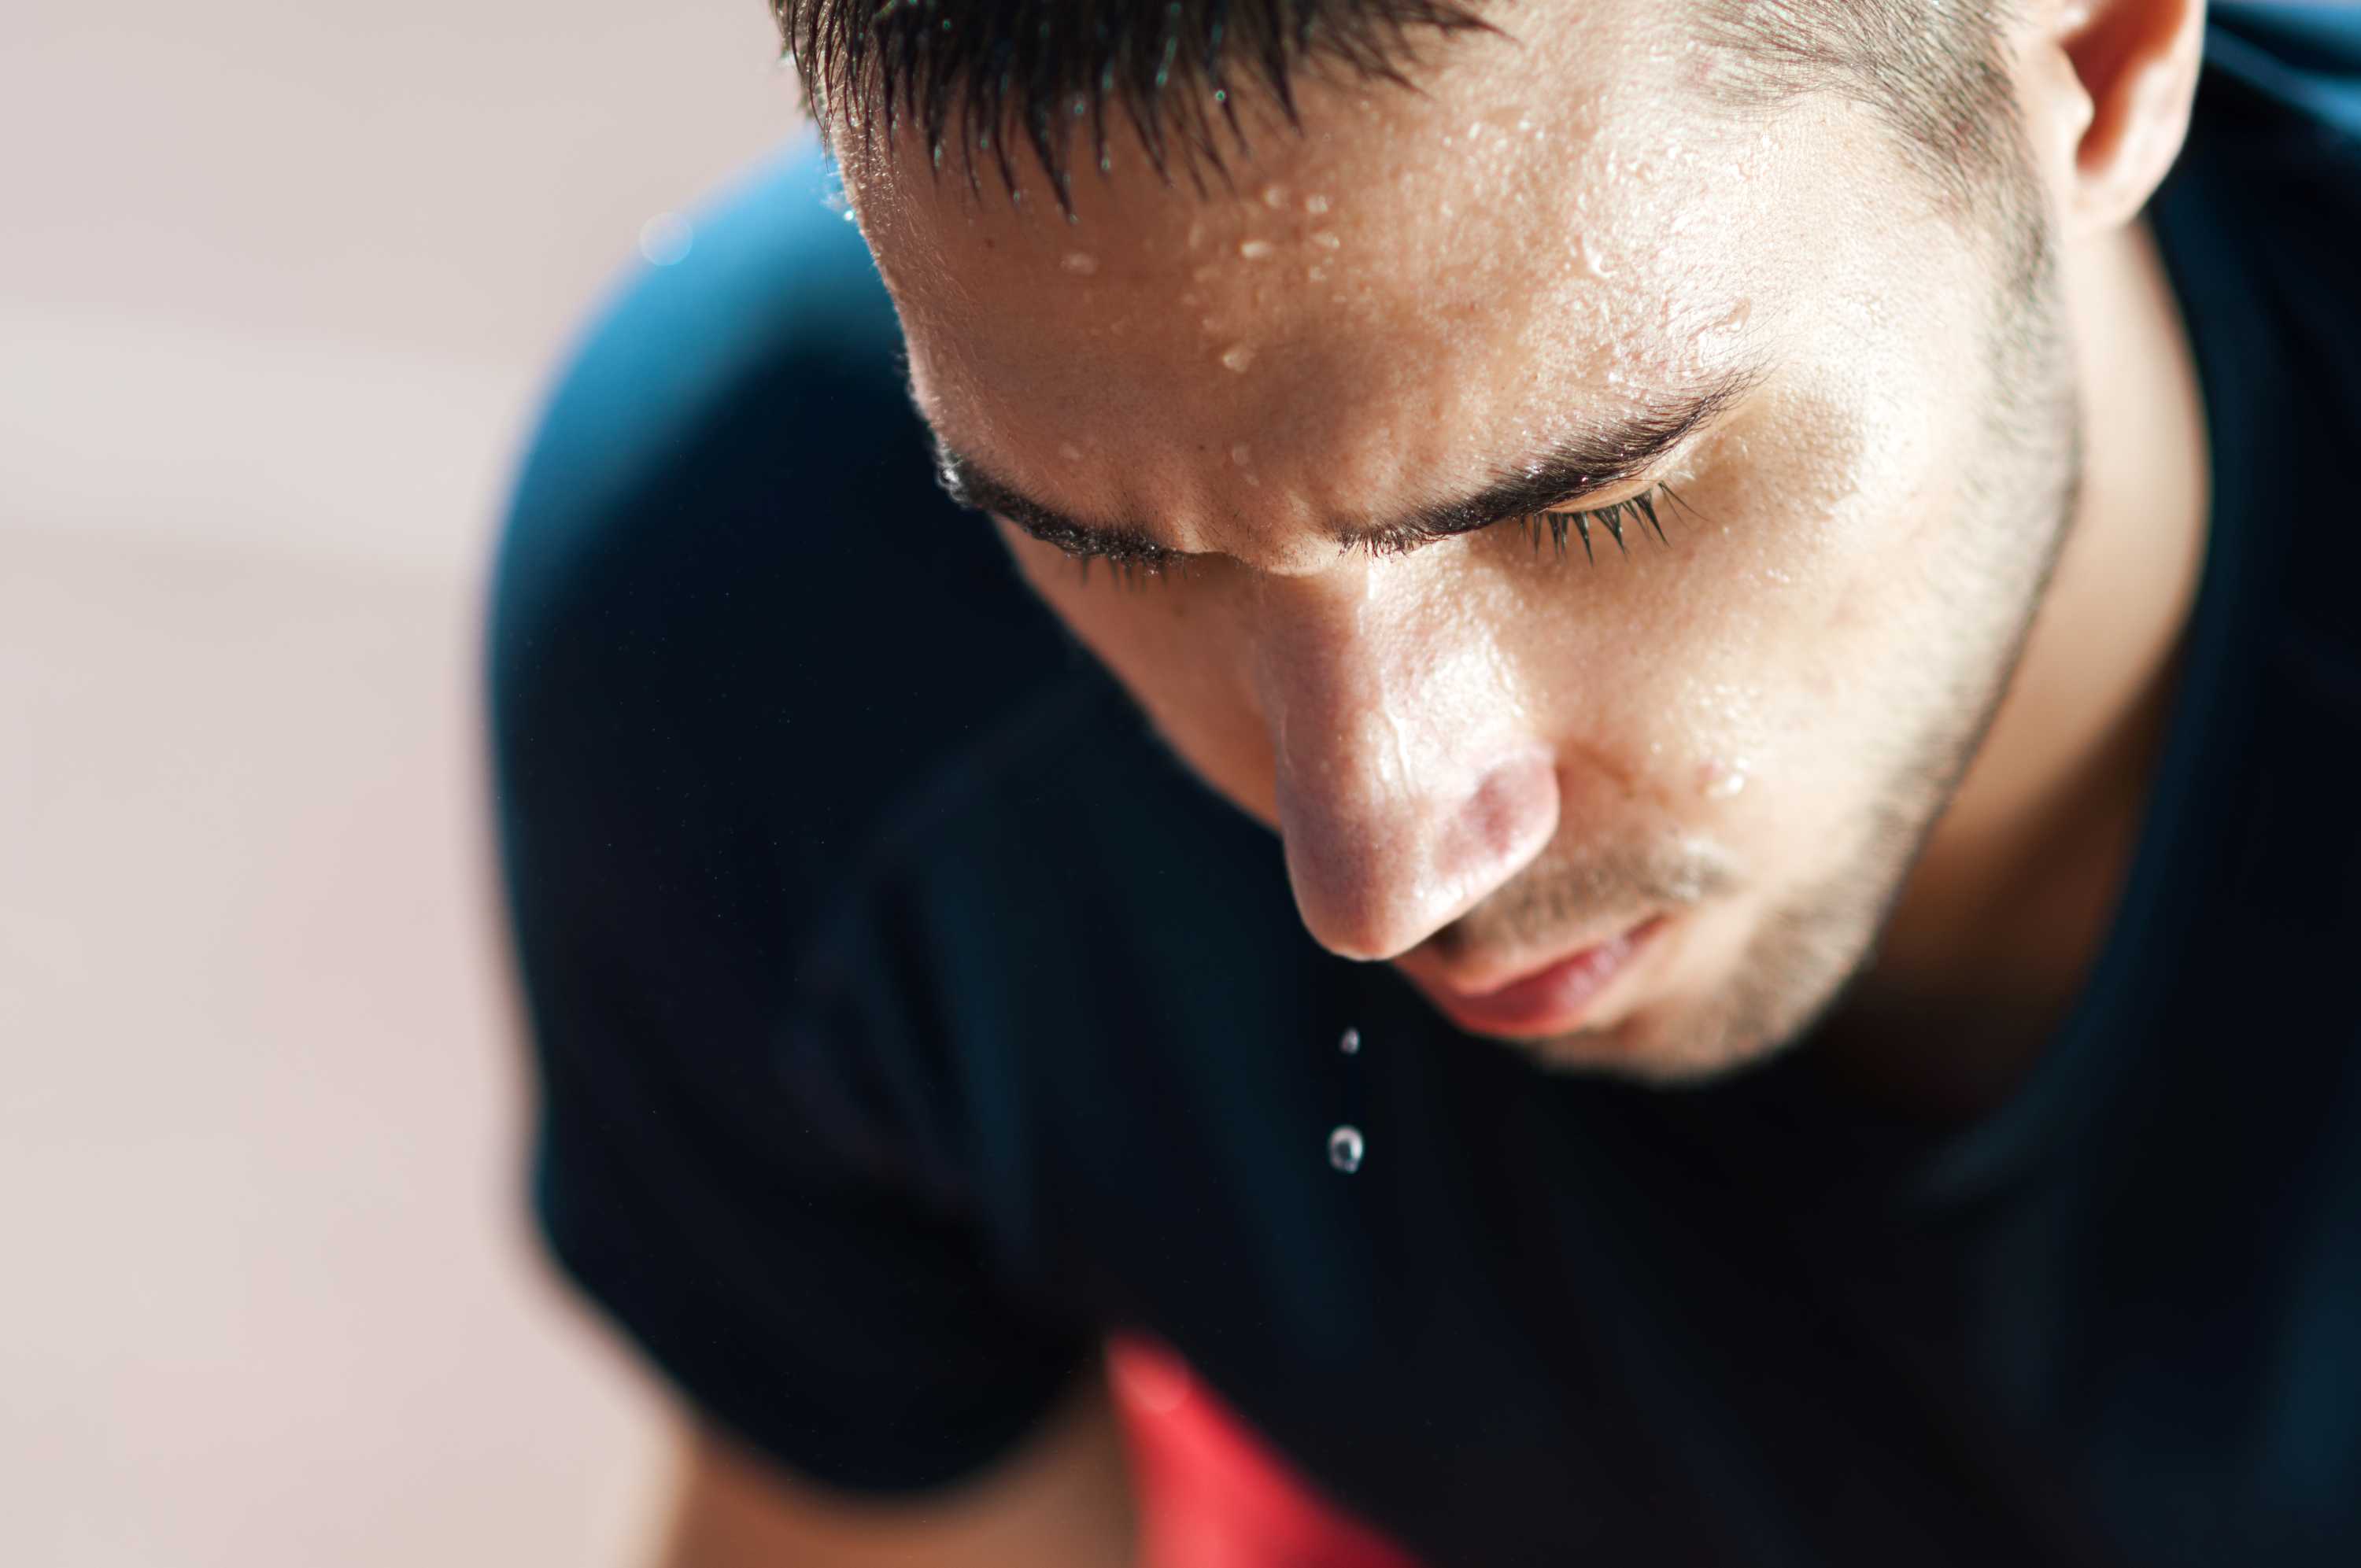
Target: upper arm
(748, 1141)
(1061, 1500)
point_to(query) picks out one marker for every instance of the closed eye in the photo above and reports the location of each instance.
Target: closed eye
(1640, 509)
(1134, 561)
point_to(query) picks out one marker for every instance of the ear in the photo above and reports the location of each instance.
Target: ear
(2121, 76)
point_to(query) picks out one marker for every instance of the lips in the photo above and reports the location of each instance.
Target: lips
(1548, 1000)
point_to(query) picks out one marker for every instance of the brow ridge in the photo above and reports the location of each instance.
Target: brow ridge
(1576, 469)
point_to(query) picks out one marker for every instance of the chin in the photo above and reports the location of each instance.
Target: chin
(1659, 1046)
(1633, 1046)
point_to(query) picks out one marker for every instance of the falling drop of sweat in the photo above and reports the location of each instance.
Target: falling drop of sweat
(1351, 1044)
(1345, 1149)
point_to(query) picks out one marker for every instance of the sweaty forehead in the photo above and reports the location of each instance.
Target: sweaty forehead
(1546, 214)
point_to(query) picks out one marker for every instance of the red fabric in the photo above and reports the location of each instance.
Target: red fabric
(1214, 1494)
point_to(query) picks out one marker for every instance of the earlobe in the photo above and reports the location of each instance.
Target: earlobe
(2137, 61)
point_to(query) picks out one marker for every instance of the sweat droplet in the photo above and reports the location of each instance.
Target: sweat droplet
(1345, 1149)
(1351, 1044)
(1070, 451)
(1255, 249)
(1326, 240)
(667, 238)
(1315, 204)
(1237, 357)
(1727, 782)
(1081, 261)
(1274, 196)
(1241, 454)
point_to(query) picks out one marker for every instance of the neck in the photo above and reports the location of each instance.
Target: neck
(2003, 914)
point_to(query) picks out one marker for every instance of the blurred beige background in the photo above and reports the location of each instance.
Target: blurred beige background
(278, 285)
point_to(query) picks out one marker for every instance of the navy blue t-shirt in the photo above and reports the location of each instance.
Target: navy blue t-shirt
(907, 1019)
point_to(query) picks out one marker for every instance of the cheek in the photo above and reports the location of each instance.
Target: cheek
(1829, 637)
(1754, 669)
(1164, 641)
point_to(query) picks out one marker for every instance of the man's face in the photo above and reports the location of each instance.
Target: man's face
(1703, 763)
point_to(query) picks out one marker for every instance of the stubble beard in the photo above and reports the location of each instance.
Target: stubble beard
(1809, 952)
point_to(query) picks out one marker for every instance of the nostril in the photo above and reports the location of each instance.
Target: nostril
(1371, 885)
(1511, 816)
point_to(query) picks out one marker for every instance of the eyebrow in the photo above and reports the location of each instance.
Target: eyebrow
(1578, 468)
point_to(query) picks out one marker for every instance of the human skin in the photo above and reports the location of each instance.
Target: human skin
(1880, 708)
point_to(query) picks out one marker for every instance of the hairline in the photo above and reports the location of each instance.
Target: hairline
(1939, 87)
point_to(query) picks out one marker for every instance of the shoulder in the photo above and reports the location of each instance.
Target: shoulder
(2253, 223)
(730, 607)
(770, 280)
(2304, 53)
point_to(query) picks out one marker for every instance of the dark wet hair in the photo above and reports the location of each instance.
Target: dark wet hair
(973, 75)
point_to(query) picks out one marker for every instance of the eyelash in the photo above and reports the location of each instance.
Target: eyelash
(1132, 565)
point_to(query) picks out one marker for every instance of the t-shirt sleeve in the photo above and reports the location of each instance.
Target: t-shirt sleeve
(788, 1242)
(829, 1317)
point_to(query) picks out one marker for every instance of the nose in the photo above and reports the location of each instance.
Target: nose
(1408, 786)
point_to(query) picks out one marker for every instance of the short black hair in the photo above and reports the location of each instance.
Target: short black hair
(974, 74)
(1932, 70)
